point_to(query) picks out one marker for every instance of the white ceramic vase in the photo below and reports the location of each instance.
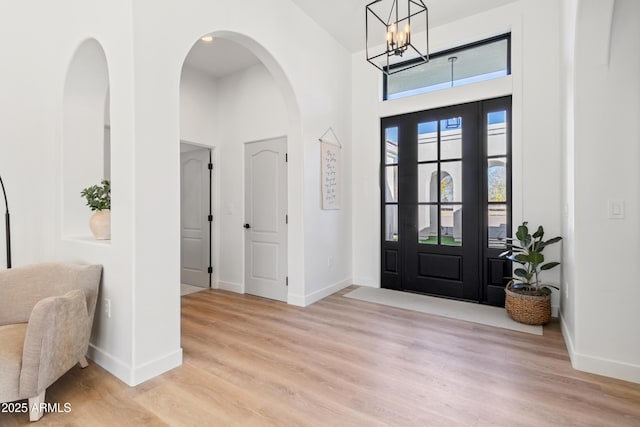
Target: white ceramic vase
(100, 224)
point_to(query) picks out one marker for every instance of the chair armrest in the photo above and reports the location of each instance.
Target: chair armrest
(57, 336)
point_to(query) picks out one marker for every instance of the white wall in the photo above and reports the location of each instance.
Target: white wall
(328, 233)
(112, 339)
(198, 107)
(31, 154)
(601, 308)
(534, 86)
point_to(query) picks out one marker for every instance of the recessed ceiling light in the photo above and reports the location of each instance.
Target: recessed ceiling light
(207, 39)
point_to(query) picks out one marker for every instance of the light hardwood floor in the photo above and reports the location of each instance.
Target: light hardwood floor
(253, 362)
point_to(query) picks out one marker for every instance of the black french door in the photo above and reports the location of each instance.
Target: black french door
(446, 200)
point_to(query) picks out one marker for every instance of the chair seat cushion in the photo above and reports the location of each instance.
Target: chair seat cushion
(11, 345)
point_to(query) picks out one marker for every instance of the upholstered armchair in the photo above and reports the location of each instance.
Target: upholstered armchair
(46, 313)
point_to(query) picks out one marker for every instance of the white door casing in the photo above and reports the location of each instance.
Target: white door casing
(194, 222)
(266, 219)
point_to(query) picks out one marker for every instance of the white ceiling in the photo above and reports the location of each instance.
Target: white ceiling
(344, 19)
(219, 57)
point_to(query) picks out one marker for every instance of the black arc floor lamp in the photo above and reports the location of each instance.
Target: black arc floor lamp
(7, 223)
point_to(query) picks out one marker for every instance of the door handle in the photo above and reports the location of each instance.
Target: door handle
(247, 226)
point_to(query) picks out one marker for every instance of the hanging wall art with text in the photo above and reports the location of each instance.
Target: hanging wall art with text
(330, 174)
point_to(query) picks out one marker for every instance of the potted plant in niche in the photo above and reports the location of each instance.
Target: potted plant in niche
(528, 300)
(99, 200)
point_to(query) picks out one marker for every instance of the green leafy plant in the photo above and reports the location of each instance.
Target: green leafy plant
(98, 196)
(526, 250)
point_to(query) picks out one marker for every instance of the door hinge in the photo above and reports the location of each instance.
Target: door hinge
(210, 218)
(286, 157)
(286, 280)
(286, 219)
(210, 166)
(210, 270)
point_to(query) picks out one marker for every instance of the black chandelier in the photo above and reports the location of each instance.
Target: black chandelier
(394, 39)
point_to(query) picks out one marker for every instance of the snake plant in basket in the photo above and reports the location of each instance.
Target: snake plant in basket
(527, 299)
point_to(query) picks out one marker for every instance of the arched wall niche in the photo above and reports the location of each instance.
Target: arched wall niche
(85, 160)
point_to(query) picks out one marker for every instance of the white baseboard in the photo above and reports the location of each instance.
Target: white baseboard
(152, 369)
(294, 299)
(598, 365)
(128, 375)
(110, 363)
(231, 287)
(362, 281)
(303, 301)
(568, 339)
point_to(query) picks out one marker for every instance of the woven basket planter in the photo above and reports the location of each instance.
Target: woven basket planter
(529, 309)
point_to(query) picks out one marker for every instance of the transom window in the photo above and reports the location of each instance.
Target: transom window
(483, 60)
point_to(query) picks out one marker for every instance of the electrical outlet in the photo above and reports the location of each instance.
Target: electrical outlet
(329, 261)
(107, 307)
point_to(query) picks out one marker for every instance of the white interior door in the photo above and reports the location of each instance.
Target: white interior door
(266, 219)
(195, 191)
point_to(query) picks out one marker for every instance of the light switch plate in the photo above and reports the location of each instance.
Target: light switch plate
(615, 209)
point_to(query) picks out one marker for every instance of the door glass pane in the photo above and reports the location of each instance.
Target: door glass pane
(451, 225)
(451, 138)
(391, 184)
(497, 133)
(427, 141)
(391, 223)
(391, 146)
(428, 224)
(428, 183)
(451, 181)
(497, 179)
(497, 225)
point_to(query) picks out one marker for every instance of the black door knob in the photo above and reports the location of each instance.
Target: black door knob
(247, 226)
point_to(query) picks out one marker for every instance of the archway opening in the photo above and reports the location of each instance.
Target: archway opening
(234, 95)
